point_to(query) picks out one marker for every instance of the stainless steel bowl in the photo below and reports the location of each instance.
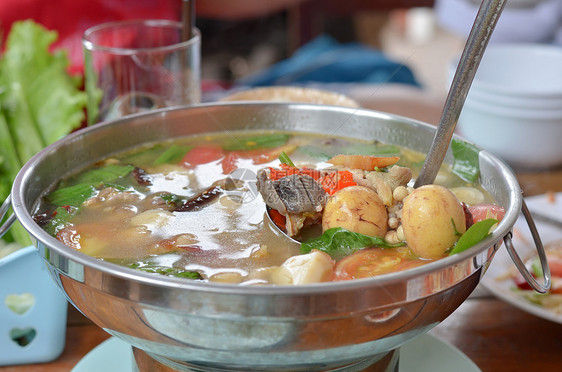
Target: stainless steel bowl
(207, 326)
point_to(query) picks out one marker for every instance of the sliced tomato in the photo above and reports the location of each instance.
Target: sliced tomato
(374, 261)
(230, 162)
(484, 211)
(202, 155)
(278, 218)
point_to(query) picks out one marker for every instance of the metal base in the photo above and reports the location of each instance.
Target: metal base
(144, 362)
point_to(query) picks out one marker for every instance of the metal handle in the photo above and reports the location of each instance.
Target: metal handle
(10, 221)
(529, 278)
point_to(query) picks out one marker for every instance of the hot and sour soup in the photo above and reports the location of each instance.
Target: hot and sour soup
(196, 208)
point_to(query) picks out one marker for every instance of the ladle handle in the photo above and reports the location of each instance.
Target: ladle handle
(10, 221)
(529, 278)
(476, 43)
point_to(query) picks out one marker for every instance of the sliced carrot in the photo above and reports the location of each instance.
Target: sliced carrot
(364, 162)
(334, 181)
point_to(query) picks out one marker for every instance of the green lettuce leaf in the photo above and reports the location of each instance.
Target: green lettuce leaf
(46, 95)
(39, 103)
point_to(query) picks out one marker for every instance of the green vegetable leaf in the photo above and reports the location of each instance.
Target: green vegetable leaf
(371, 149)
(104, 174)
(72, 195)
(317, 153)
(60, 220)
(339, 242)
(48, 101)
(473, 235)
(172, 154)
(465, 164)
(285, 159)
(169, 271)
(258, 142)
(85, 186)
(39, 103)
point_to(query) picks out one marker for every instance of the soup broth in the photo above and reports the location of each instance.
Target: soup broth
(191, 207)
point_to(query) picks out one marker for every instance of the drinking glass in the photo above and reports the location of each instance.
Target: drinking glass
(139, 65)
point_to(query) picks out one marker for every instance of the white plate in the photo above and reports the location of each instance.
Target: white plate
(426, 353)
(502, 265)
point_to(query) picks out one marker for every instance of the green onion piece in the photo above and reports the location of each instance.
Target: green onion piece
(285, 159)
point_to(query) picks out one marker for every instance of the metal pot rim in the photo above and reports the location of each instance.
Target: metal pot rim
(24, 216)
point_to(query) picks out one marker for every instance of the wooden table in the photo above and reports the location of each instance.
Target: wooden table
(495, 335)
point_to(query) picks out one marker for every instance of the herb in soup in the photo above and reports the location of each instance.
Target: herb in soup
(195, 208)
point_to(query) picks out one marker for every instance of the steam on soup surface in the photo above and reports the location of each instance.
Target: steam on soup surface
(195, 208)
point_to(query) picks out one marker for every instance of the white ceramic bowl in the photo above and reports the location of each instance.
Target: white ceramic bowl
(514, 106)
(526, 139)
(520, 21)
(521, 71)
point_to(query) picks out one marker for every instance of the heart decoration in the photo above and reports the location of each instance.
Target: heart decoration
(22, 336)
(20, 303)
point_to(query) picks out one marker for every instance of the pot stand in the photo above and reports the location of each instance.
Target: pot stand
(144, 362)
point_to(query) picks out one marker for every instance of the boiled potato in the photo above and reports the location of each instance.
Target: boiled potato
(427, 220)
(358, 209)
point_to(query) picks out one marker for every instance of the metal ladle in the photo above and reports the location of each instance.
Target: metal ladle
(474, 48)
(477, 41)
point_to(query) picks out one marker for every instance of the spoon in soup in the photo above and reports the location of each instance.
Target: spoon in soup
(471, 56)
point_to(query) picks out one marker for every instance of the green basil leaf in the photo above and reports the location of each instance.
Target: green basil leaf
(172, 154)
(473, 235)
(465, 163)
(72, 195)
(258, 142)
(105, 174)
(339, 242)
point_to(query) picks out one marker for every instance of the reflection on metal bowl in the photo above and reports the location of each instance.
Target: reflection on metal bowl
(208, 326)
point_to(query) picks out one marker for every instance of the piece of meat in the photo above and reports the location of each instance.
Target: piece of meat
(294, 194)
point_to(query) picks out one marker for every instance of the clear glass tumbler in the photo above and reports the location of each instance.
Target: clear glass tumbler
(139, 65)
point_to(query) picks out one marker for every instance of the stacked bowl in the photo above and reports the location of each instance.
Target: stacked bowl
(514, 106)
